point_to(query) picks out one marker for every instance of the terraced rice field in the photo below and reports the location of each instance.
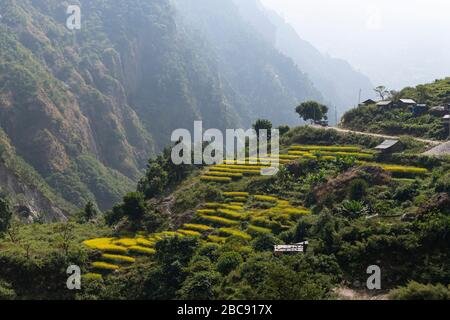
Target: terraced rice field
(231, 170)
(238, 216)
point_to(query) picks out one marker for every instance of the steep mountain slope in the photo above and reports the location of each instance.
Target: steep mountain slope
(334, 78)
(87, 108)
(260, 81)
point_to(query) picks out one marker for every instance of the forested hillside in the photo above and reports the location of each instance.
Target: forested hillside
(87, 108)
(208, 232)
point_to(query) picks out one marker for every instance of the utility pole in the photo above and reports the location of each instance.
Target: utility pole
(448, 110)
(359, 97)
(335, 115)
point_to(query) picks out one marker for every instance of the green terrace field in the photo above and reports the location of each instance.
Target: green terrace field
(240, 215)
(232, 170)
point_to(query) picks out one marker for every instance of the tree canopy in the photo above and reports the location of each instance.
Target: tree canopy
(312, 110)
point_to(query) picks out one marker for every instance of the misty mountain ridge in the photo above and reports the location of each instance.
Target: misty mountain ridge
(85, 109)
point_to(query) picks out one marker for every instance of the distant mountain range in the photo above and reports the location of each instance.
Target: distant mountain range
(81, 111)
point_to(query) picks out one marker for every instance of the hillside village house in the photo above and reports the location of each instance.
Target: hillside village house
(368, 102)
(390, 146)
(438, 111)
(385, 104)
(420, 109)
(407, 102)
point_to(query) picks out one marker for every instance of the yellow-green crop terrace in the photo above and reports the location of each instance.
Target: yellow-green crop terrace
(213, 222)
(232, 170)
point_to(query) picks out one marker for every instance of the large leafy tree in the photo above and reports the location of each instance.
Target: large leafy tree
(90, 211)
(262, 124)
(312, 110)
(161, 174)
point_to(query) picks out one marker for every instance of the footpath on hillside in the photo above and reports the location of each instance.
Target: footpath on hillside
(439, 148)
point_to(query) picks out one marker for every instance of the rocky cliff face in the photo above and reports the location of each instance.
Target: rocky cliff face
(29, 202)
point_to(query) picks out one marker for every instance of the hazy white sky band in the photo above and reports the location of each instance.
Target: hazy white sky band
(409, 37)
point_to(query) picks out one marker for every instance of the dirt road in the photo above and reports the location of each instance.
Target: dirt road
(430, 142)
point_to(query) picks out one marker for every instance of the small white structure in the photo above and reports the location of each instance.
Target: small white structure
(389, 146)
(297, 247)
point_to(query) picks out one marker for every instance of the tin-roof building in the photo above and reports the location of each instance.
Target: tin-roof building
(438, 111)
(420, 109)
(390, 146)
(407, 102)
(385, 104)
(367, 102)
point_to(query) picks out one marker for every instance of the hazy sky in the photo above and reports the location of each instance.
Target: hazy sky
(394, 42)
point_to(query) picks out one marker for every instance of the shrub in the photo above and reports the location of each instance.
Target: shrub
(443, 184)
(210, 250)
(417, 291)
(283, 129)
(357, 189)
(353, 209)
(265, 242)
(406, 192)
(228, 262)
